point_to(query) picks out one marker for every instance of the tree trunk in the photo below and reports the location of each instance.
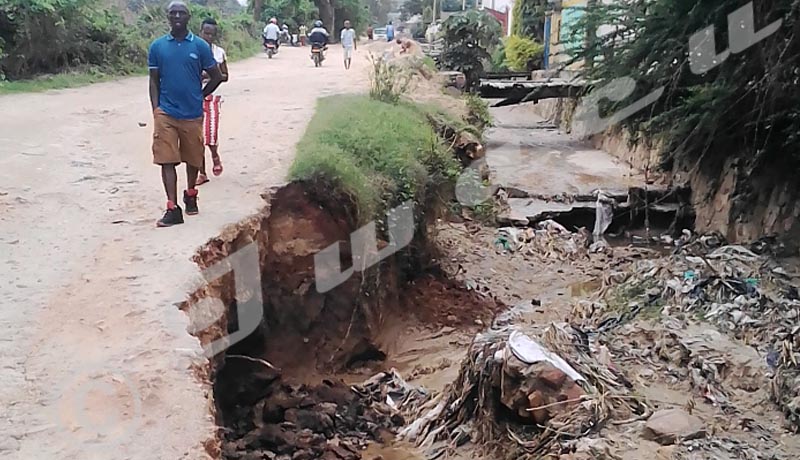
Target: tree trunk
(258, 7)
(326, 13)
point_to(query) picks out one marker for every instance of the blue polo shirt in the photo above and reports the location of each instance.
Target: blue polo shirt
(180, 64)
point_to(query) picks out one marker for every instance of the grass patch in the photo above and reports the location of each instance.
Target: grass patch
(455, 122)
(59, 81)
(378, 154)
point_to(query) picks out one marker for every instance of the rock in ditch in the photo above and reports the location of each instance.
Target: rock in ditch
(315, 421)
(668, 426)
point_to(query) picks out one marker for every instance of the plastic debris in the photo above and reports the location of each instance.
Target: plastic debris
(604, 214)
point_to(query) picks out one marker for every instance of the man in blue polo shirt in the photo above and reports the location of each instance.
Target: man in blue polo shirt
(177, 62)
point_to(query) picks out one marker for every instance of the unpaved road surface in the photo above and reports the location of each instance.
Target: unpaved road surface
(94, 355)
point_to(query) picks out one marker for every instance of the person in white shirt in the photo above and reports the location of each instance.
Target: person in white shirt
(212, 103)
(348, 39)
(273, 32)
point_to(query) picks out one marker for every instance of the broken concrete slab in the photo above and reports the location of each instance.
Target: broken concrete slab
(668, 426)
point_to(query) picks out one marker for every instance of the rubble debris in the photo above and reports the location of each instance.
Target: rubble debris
(671, 425)
(331, 421)
(550, 389)
(548, 240)
(748, 296)
(606, 211)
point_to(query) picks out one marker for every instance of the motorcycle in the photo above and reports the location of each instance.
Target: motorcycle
(271, 47)
(317, 53)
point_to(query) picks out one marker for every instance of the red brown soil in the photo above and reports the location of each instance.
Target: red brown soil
(435, 300)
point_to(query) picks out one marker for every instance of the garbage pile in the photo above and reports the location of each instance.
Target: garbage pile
(550, 391)
(330, 421)
(744, 294)
(548, 240)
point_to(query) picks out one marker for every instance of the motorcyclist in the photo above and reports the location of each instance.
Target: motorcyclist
(272, 33)
(318, 35)
(285, 36)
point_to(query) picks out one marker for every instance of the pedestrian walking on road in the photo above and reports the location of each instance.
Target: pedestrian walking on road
(303, 34)
(212, 102)
(177, 61)
(348, 39)
(389, 32)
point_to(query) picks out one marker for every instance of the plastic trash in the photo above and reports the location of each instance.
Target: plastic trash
(604, 214)
(529, 351)
(501, 243)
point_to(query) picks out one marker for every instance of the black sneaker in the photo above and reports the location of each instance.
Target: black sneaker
(172, 217)
(191, 203)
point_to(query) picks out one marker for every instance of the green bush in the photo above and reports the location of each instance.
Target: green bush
(499, 63)
(388, 83)
(523, 54)
(57, 36)
(469, 40)
(378, 154)
(479, 115)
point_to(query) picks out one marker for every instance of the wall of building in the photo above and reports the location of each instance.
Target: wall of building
(562, 22)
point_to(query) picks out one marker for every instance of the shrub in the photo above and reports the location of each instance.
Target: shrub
(523, 54)
(499, 63)
(388, 83)
(479, 115)
(747, 106)
(55, 36)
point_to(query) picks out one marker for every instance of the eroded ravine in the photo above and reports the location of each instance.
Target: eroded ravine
(285, 389)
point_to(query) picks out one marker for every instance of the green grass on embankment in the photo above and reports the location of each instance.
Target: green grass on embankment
(376, 153)
(59, 81)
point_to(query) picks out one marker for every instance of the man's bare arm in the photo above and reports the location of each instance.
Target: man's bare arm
(155, 88)
(215, 80)
(223, 68)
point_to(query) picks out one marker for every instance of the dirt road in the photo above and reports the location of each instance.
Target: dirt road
(94, 355)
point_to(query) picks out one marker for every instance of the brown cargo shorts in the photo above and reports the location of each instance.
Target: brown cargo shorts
(177, 141)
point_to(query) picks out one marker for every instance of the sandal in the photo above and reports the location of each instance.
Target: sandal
(217, 170)
(201, 179)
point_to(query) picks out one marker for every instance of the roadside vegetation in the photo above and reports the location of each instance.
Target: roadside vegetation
(746, 106)
(49, 44)
(469, 40)
(376, 153)
(378, 150)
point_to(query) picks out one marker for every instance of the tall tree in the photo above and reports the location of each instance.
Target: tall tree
(327, 11)
(258, 10)
(379, 10)
(529, 18)
(413, 7)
